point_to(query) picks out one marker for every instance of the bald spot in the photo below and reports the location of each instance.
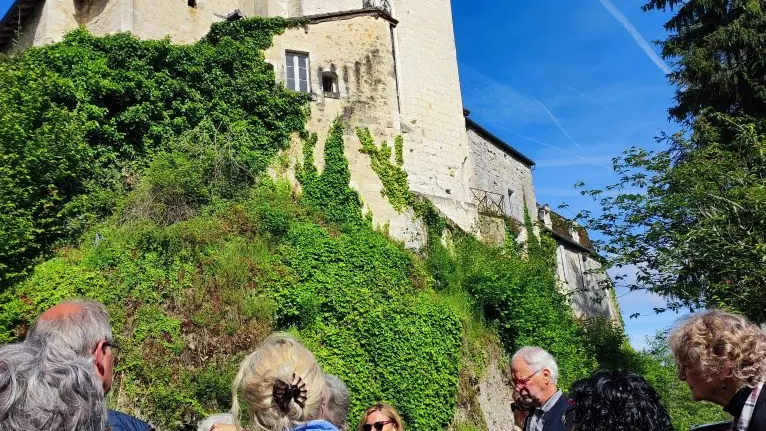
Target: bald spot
(61, 310)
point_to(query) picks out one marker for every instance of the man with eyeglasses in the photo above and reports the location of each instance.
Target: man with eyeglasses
(83, 326)
(535, 374)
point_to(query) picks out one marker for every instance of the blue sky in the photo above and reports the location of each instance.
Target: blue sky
(571, 84)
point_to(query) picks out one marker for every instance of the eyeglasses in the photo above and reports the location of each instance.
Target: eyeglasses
(378, 425)
(524, 382)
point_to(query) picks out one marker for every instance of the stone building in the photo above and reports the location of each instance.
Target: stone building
(389, 65)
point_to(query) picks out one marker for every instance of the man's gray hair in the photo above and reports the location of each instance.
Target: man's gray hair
(49, 388)
(80, 331)
(538, 358)
(337, 402)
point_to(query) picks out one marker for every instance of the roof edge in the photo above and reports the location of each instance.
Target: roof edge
(499, 142)
(11, 19)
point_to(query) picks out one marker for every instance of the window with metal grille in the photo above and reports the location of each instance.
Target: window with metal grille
(297, 72)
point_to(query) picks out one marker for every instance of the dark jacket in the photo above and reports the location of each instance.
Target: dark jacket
(553, 419)
(758, 421)
(117, 421)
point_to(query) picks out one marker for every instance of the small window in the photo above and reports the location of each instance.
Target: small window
(330, 84)
(298, 72)
(192, 3)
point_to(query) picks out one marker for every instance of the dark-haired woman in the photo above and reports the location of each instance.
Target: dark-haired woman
(616, 401)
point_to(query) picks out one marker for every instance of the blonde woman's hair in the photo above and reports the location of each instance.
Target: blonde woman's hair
(387, 411)
(714, 340)
(280, 358)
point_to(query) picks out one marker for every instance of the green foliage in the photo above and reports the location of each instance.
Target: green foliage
(189, 299)
(156, 152)
(78, 118)
(393, 176)
(518, 297)
(329, 191)
(697, 232)
(718, 47)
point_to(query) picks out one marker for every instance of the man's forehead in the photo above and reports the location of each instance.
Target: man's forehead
(519, 364)
(61, 310)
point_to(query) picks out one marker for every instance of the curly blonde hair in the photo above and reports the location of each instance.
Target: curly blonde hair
(279, 358)
(714, 340)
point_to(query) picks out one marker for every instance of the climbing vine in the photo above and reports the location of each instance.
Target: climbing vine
(329, 190)
(393, 176)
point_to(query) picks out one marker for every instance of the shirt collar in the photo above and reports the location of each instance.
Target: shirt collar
(738, 402)
(551, 401)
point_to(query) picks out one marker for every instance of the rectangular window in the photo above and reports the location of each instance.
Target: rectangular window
(298, 72)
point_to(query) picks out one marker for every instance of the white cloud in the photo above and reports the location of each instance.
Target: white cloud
(633, 31)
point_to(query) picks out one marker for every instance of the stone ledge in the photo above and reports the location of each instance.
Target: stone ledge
(334, 16)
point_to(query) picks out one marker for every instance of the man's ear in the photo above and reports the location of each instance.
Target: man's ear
(99, 359)
(547, 374)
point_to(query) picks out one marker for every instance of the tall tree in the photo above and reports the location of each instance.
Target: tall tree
(718, 50)
(691, 218)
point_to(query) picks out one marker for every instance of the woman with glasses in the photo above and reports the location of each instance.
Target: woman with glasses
(722, 357)
(381, 417)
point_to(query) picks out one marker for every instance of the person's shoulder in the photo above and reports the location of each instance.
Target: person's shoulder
(562, 404)
(118, 421)
(758, 420)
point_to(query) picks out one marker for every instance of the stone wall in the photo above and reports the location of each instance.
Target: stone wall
(315, 7)
(358, 49)
(436, 145)
(582, 280)
(50, 22)
(147, 19)
(154, 19)
(502, 174)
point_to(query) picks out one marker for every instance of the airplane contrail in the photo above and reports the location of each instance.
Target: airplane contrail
(633, 31)
(555, 120)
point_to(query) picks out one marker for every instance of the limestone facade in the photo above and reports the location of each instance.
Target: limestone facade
(357, 50)
(580, 275)
(389, 65)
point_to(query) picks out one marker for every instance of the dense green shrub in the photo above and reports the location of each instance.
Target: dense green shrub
(79, 118)
(329, 191)
(193, 296)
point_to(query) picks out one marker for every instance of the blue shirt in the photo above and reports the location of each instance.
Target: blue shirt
(117, 421)
(316, 426)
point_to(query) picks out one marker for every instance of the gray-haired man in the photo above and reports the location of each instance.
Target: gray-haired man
(535, 374)
(46, 388)
(83, 327)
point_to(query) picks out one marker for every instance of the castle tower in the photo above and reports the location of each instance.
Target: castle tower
(436, 144)
(427, 85)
